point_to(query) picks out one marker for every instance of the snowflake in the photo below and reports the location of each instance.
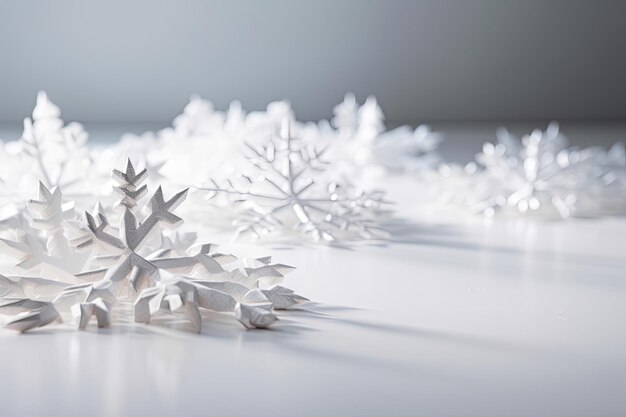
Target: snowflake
(361, 142)
(404, 149)
(40, 244)
(207, 143)
(286, 197)
(51, 152)
(202, 141)
(57, 151)
(93, 268)
(541, 174)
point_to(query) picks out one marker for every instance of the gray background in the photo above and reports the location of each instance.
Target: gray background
(425, 60)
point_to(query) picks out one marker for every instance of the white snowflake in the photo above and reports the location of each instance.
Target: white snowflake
(51, 152)
(541, 174)
(57, 151)
(284, 195)
(100, 268)
(207, 143)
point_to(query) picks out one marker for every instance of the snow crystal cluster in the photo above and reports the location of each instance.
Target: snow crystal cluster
(205, 146)
(356, 139)
(317, 180)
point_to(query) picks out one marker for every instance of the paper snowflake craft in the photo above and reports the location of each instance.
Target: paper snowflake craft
(204, 142)
(541, 174)
(283, 196)
(51, 152)
(357, 127)
(87, 268)
(408, 150)
(57, 151)
(360, 139)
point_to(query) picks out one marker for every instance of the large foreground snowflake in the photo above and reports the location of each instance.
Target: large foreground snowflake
(282, 194)
(87, 268)
(541, 174)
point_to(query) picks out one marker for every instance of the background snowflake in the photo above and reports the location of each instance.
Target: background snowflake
(540, 174)
(284, 196)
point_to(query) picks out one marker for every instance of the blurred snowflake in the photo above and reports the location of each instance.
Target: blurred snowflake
(361, 145)
(541, 174)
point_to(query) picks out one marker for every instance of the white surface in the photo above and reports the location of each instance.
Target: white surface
(456, 318)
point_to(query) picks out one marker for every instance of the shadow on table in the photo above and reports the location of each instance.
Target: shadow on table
(399, 230)
(405, 232)
(328, 335)
(297, 329)
(319, 311)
